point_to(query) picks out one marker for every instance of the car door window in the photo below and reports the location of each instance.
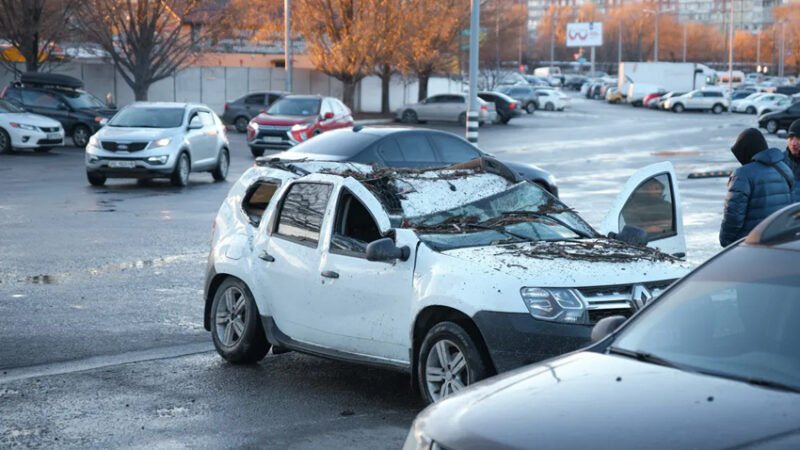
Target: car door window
(651, 208)
(302, 211)
(354, 227)
(434, 99)
(196, 121)
(13, 95)
(416, 150)
(452, 150)
(206, 119)
(255, 99)
(257, 200)
(273, 97)
(41, 100)
(390, 152)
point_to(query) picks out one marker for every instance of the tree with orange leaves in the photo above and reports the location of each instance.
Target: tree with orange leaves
(790, 15)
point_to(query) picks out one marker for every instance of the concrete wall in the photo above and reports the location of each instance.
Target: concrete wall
(215, 85)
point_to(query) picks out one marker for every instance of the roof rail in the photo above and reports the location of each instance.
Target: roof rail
(780, 227)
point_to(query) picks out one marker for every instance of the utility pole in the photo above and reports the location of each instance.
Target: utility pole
(758, 50)
(553, 21)
(288, 44)
(619, 42)
(472, 114)
(782, 48)
(655, 52)
(730, 61)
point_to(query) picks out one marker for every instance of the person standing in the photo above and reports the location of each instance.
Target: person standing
(760, 187)
(792, 154)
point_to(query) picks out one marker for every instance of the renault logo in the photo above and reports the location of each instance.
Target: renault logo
(641, 296)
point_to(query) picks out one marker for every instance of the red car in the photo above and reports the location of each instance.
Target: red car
(293, 119)
(650, 97)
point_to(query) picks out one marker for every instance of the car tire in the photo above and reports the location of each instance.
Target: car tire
(5, 142)
(505, 120)
(549, 107)
(438, 378)
(241, 124)
(717, 109)
(95, 178)
(410, 116)
(180, 175)
(223, 163)
(80, 135)
(750, 110)
(257, 152)
(462, 118)
(678, 108)
(772, 126)
(42, 149)
(530, 107)
(236, 325)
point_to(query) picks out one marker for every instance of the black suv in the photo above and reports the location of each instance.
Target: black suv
(240, 111)
(60, 97)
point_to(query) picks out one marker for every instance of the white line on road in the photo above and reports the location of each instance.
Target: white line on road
(98, 362)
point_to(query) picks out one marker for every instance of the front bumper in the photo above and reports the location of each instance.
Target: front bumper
(36, 138)
(131, 165)
(518, 339)
(271, 137)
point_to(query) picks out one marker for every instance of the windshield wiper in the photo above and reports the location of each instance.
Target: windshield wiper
(546, 216)
(648, 358)
(755, 381)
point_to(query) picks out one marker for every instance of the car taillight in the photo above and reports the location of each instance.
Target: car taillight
(484, 108)
(512, 105)
(226, 106)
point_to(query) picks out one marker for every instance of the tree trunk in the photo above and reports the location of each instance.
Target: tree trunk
(423, 85)
(140, 90)
(349, 93)
(30, 51)
(386, 78)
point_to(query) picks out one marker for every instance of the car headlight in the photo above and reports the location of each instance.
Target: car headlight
(300, 126)
(101, 120)
(24, 126)
(416, 440)
(158, 160)
(160, 143)
(94, 142)
(554, 304)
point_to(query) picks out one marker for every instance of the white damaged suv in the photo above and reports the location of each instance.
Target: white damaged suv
(451, 275)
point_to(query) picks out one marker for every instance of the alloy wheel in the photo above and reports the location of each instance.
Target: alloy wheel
(5, 142)
(231, 316)
(772, 126)
(446, 370)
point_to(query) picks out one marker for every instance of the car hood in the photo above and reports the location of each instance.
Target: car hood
(574, 263)
(263, 119)
(107, 113)
(593, 400)
(31, 119)
(135, 134)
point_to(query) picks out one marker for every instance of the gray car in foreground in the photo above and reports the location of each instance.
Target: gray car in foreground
(713, 362)
(159, 140)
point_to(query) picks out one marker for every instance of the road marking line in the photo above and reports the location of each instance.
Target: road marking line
(99, 362)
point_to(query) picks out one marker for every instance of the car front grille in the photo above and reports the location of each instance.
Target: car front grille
(620, 299)
(49, 129)
(49, 141)
(113, 146)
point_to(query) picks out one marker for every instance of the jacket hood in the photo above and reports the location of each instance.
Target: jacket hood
(770, 156)
(748, 144)
(574, 263)
(591, 400)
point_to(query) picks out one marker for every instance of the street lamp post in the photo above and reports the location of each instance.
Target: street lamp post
(730, 60)
(684, 41)
(288, 45)
(472, 115)
(655, 52)
(552, 39)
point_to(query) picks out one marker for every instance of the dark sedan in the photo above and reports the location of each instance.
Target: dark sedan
(506, 107)
(780, 120)
(401, 148)
(714, 362)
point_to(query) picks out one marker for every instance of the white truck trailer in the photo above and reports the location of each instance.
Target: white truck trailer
(671, 76)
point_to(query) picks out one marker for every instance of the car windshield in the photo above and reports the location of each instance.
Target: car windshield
(83, 100)
(736, 317)
(144, 117)
(295, 107)
(525, 212)
(8, 107)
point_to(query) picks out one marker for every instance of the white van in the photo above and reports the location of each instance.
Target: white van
(546, 71)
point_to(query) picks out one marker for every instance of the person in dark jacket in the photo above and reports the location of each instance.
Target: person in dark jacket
(760, 187)
(792, 156)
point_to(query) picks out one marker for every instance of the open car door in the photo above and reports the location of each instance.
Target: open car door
(650, 200)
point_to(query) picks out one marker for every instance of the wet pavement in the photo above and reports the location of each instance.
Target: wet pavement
(101, 336)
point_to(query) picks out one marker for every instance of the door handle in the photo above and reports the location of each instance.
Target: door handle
(266, 256)
(330, 274)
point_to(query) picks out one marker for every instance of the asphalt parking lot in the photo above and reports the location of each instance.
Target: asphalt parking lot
(101, 308)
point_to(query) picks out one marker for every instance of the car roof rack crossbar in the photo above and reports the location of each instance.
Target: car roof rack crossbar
(780, 227)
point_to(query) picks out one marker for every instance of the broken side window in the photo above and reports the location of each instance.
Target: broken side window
(354, 227)
(257, 200)
(302, 211)
(651, 207)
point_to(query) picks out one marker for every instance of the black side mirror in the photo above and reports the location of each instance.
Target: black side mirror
(385, 250)
(632, 235)
(606, 326)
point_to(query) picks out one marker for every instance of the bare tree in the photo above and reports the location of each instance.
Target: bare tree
(34, 28)
(148, 40)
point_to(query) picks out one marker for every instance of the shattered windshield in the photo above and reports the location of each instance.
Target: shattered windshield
(524, 212)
